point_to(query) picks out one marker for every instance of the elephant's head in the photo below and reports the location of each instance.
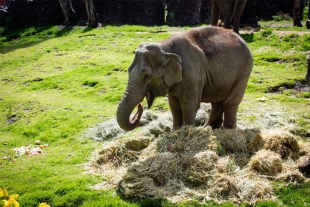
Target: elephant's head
(151, 74)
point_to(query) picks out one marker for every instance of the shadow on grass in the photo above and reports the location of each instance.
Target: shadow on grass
(248, 37)
(88, 29)
(30, 36)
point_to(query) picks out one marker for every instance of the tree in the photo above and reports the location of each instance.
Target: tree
(91, 13)
(296, 13)
(70, 15)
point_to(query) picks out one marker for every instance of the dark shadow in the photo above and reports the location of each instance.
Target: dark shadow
(248, 37)
(17, 35)
(88, 29)
(152, 202)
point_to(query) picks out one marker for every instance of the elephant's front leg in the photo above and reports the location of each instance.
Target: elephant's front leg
(230, 116)
(183, 112)
(176, 111)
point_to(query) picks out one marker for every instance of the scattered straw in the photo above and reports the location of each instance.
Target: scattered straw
(198, 163)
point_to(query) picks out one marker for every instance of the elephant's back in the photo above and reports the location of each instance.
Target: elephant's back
(214, 41)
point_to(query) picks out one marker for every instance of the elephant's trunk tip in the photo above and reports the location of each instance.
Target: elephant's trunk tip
(131, 123)
(136, 118)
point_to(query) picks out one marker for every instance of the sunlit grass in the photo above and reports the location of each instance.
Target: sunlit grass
(55, 84)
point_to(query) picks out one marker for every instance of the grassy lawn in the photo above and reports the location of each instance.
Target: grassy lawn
(58, 82)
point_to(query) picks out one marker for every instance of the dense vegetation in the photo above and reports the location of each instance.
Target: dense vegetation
(58, 82)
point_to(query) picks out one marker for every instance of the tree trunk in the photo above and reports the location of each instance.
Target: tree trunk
(70, 15)
(308, 71)
(308, 10)
(91, 13)
(296, 14)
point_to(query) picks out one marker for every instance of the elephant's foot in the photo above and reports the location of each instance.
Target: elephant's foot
(305, 167)
(214, 124)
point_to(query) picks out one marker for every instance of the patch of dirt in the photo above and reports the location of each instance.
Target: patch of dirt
(284, 33)
(297, 87)
(12, 119)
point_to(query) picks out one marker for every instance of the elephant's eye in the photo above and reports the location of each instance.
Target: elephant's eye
(147, 79)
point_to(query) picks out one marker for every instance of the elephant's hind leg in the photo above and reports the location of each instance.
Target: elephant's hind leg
(216, 115)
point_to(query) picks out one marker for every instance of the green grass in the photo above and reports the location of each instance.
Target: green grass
(58, 82)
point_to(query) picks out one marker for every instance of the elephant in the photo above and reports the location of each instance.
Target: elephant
(308, 71)
(205, 64)
(230, 9)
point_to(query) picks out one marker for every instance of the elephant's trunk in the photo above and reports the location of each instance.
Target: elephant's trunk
(126, 106)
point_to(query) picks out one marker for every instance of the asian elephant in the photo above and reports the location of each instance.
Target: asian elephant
(231, 9)
(308, 71)
(207, 64)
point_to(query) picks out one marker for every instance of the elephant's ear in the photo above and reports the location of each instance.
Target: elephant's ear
(173, 69)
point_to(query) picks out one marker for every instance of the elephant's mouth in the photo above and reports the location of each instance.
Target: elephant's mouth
(150, 96)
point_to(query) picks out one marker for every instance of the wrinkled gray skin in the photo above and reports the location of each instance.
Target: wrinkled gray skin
(208, 64)
(308, 71)
(231, 9)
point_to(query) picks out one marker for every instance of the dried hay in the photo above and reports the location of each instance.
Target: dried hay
(226, 164)
(281, 142)
(137, 144)
(291, 176)
(251, 187)
(266, 162)
(187, 140)
(200, 166)
(304, 148)
(224, 186)
(235, 141)
(122, 152)
(198, 163)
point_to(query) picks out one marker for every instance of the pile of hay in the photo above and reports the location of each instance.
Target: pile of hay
(281, 142)
(266, 162)
(198, 163)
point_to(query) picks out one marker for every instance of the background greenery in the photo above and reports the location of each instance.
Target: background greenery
(57, 82)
